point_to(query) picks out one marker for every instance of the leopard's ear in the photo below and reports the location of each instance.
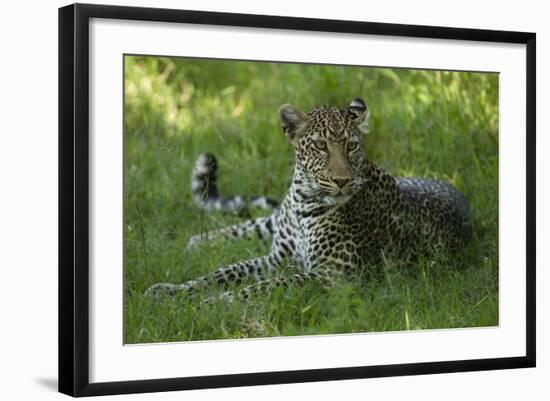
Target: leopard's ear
(292, 121)
(359, 113)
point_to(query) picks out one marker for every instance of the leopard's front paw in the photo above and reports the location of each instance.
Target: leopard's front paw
(197, 240)
(160, 289)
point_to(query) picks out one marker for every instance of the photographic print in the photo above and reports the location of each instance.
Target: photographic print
(268, 199)
(227, 205)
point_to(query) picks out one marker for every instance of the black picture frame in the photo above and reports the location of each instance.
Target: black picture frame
(74, 198)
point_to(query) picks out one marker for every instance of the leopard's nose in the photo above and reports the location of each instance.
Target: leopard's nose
(341, 182)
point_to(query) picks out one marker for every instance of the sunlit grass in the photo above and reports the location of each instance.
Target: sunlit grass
(424, 123)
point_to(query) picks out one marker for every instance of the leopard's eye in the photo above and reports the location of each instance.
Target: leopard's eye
(320, 144)
(352, 146)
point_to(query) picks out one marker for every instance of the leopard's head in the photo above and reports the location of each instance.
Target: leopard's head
(329, 148)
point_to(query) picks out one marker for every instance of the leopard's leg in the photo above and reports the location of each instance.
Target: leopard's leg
(256, 268)
(325, 276)
(263, 227)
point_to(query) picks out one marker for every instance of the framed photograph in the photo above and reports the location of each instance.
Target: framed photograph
(251, 199)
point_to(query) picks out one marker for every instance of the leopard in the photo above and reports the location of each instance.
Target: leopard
(341, 216)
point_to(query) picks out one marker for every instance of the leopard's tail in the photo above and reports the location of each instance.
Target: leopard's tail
(207, 197)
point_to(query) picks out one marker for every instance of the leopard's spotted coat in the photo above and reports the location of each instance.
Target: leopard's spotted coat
(341, 214)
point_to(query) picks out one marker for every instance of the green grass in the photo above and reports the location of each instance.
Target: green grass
(423, 123)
